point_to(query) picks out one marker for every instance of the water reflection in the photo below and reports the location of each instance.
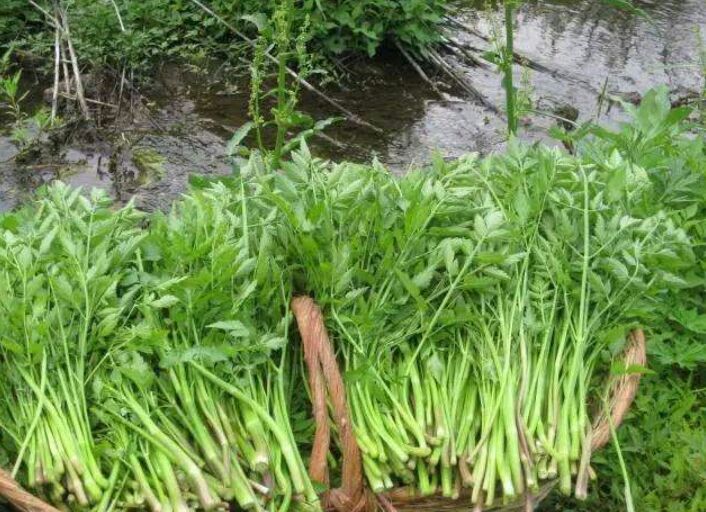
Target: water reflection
(597, 41)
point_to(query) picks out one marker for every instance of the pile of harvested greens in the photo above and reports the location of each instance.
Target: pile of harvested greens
(149, 361)
(471, 305)
(144, 367)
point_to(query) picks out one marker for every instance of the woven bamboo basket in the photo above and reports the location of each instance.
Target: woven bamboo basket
(325, 380)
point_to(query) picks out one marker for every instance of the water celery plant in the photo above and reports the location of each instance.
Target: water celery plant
(148, 361)
(214, 402)
(61, 269)
(146, 367)
(470, 305)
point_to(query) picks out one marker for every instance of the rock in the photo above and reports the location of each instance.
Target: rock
(633, 97)
(682, 96)
(568, 115)
(48, 94)
(149, 164)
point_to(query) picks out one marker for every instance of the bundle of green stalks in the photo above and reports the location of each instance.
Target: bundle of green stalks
(145, 368)
(61, 265)
(476, 307)
(472, 306)
(214, 322)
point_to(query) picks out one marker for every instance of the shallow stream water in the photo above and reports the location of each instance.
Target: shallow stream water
(578, 48)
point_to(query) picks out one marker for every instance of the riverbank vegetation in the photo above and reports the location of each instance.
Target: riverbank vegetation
(128, 32)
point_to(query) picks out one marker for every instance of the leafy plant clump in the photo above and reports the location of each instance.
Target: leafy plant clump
(471, 306)
(146, 368)
(61, 268)
(25, 130)
(131, 31)
(660, 157)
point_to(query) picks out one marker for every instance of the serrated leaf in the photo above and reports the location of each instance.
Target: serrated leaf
(235, 328)
(166, 301)
(238, 136)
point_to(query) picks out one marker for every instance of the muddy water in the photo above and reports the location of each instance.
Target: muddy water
(578, 49)
(588, 45)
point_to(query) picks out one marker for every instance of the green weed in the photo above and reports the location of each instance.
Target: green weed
(182, 31)
(287, 126)
(25, 129)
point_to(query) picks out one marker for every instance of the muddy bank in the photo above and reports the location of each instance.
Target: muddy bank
(578, 48)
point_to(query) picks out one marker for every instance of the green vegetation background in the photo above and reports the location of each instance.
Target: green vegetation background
(186, 31)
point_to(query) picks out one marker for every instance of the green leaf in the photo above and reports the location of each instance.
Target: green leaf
(615, 188)
(691, 319)
(423, 279)
(235, 328)
(411, 288)
(319, 487)
(236, 140)
(619, 368)
(166, 301)
(259, 19)
(12, 346)
(137, 370)
(48, 240)
(206, 355)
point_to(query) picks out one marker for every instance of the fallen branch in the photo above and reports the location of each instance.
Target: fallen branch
(45, 12)
(122, 73)
(330, 140)
(88, 100)
(57, 78)
(550, 115)
(65, 68)
(74, 65)
(117, 14)
(463, 53)
(121, 91)
(347, 113)
(518, 58)
(418, 69)
(467, 28)
(461, 81)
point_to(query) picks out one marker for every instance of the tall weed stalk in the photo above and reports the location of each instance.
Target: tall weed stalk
(286, 126)
(506, 65)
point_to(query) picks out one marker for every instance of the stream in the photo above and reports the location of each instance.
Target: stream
(578, 49)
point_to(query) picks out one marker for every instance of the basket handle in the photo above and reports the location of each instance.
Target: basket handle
(19, 498)
(324, 375)
(622, 391)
